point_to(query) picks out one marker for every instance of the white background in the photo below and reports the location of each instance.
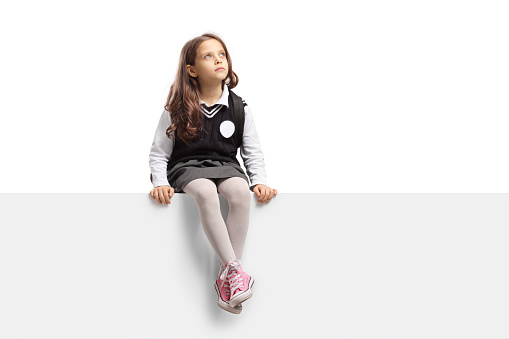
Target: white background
(348, 97)
(356, 96)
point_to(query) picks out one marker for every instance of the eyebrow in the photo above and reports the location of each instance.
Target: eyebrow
(221, 50)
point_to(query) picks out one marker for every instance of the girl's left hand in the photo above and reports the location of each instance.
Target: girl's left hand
(264, 193)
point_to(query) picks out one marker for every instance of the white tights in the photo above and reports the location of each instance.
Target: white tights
(228, 239)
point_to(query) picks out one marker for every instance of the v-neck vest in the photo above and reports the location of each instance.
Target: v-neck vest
(215, 144)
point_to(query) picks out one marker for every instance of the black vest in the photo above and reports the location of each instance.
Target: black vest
(213, 144)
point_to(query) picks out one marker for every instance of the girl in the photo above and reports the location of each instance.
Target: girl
(194, 151)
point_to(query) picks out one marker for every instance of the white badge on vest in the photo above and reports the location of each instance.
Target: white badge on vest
(227, 128)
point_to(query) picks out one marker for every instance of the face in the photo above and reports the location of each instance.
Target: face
(209, 57)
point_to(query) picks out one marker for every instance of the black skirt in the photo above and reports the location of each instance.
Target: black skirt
(185, 172)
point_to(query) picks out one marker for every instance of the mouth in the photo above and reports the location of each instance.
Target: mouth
(220, 69)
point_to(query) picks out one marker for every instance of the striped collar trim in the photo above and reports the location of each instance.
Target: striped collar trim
(210, 111)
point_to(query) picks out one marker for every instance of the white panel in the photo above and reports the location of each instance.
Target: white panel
(325, 266)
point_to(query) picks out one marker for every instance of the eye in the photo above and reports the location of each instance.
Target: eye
(220, 53)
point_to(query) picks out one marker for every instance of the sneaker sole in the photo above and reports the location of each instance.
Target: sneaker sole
(243, 296)
(224, 305)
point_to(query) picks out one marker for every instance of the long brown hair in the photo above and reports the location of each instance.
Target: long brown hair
(183, 102)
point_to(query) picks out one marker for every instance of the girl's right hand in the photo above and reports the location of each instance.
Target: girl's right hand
(162, 194)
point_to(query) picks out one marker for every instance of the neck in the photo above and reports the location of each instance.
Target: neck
(210, 93)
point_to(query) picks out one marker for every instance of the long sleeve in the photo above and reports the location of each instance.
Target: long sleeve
(251, 151)
(160, 152)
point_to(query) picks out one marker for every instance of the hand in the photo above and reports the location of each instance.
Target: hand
(162, 194)
(265, 193)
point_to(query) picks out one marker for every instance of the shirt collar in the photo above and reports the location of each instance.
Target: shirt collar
(223, 100)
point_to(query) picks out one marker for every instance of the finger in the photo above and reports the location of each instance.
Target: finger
(162, 196)
(160, 193)
(263, 196)
(267, 195)
(158, 197)
(166, 196)
(172, 191)
(271, 194)
(260, 196)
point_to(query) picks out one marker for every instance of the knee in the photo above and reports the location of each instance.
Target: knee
(239, 196)
(206, 195)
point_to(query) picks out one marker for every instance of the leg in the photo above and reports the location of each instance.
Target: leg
(236, 191)
(204, 191)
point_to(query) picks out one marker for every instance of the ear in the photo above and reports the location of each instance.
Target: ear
(191, 71)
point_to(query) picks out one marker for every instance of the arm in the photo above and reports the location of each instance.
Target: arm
(160, 152)
(251, 151)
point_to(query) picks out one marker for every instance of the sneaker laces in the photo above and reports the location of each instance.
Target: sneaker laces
(224, 282)
(232, 273)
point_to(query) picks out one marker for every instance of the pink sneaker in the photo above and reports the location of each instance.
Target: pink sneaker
(222, 286)
(240, 283)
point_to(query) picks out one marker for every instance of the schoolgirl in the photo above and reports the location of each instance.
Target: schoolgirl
(194, 151)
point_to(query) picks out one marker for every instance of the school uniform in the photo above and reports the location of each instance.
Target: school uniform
(213, 153)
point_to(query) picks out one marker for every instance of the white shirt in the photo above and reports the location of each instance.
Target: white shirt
(250, 150)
